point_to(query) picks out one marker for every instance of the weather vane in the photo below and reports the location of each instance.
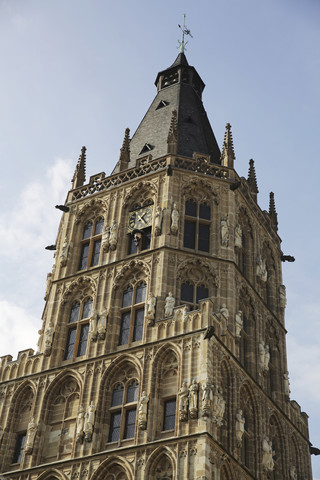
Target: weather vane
(185, 31)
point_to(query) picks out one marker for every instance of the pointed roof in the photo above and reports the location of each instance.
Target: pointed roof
(79, 176)
(227, 154)
(179, 88)
(252, 180)
(273, 213)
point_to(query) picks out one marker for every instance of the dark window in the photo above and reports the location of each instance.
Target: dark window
(169, 416)
(191, 294)
(91, 244)
(77, 336)
(123, 418)
(21, 440)
(139, 241)
(132, 314)
(197, 226)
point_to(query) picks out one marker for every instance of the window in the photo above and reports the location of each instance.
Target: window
(169, 414)
(140, 241)
(197, 226)
(91, 244)
(244, 342)
(20, 443)
(123, 411)
(192, 294)
(78, 329)
(132, 314)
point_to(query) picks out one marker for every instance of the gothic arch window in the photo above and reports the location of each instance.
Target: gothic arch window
(248, 444)
(123, 410)
(140, 227)
(227, 388)
(197, 219)
(274, 367)
(132, 313)
(78, 329)
(246, 341)
(91, 243)
(162, 469)
(277, 446)
(244, 248)
(60, 422)
(192, 293)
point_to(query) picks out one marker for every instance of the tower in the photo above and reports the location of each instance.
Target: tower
(162, 353)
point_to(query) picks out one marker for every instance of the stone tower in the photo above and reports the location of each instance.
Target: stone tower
(162, 353)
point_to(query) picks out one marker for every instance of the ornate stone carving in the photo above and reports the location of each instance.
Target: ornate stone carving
(83, 285)
(48, 337)
(64, 253)
(113, 236)
(135, 270)
(207, 398)
(151, 308)
(105, 240)
(193, 399)
(93, 323)
(158, 221)
(286, 383)
(240, 422)
(264, 357)
(238, 236)
(174, 220)
(95, 206)
(267, 455)
(31, 435)
(142, 411)
(80, 425)
(224, 229)
(89, 422)
(293, 472)
(283, 296)
(183, 395)
(218, 406)
(169, 305)
(238, 324)
(261, 270)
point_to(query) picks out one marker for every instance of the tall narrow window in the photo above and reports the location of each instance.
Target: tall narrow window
(197, 226)
(169, 415)
(191, 294)
(78, 329)
(91, 244)
(132, 314)
(123, 411)
(20, 443)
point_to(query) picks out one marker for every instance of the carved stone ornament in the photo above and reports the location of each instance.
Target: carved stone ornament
(183, 396)
(142, 411)
(89, 422)
(151, 308)
(80, 425)
(158, 221)
(169, 305)
(193, 399)
(240, 422)
(113, 236)
(218, 406)
(238, 324)
(31, 434)
(224, 229)
(174, 220)
(238, 236)
(264, 356)
(48, 338)
(267, 455)
(64, 253)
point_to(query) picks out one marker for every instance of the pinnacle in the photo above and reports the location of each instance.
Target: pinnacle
(172, 139)
(252, 180)
(79, 176)
(272, 212)
(227, 154)
(124, 157)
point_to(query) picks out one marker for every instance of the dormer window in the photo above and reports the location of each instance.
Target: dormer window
(162, 104)
(146, 148)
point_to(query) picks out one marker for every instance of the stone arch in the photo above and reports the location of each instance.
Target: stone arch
(26, 388)
(276, 435)
(226, 383)
(143, 193)
(59, 380)
(52, 474)
(83, 286)
(132, 272)
(197, 269)
(295, 455)
(161, 465)
(94, 208)
(249, 407)
(115, 465)
(200, 190)
(226, 472)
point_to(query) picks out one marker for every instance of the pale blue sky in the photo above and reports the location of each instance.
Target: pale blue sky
(79, 72)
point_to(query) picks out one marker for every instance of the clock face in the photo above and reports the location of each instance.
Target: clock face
(140, 219)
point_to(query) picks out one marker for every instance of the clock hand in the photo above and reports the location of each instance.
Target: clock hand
(141, 218)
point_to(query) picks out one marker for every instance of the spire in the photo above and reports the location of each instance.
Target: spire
(172, 139)
(124, 157)
(185, 31)
(252, 180)
(273, 213)
(79, 176)
(227, 154)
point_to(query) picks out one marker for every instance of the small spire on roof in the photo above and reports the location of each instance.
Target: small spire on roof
(227, 154)
(172, 139)
(185, 31)
(79, 176)
(252, 180)
(273, 213)
(124, 157)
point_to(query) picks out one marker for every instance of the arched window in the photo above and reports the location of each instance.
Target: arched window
(123, 411)
(191, 294)
(78, 329)
(248, 445)
(91, 244)
(162, 469)
(20, 419)
(132, 314)
(197, 226)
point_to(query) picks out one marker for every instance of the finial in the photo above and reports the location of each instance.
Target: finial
(79, 176)
(273, 213)
(227, 154)
(185, 31)
(124, 157)
(172, 139)
(252, 181)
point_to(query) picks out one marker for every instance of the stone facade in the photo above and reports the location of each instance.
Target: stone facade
(126, 385)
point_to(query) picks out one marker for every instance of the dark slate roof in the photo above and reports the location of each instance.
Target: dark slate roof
(179, 88)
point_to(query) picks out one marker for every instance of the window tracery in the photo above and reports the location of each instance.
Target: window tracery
(132, 313)
(78, 329)
(197, 222)
(91, 243)
(123, 410)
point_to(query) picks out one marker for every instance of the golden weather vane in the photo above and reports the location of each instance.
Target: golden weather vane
(185, 31)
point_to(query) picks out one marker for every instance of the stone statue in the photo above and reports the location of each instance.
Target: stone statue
(151, 307)
(224, 316)
(174, 220)
(293, 473)
(158, 221)
(39, 342)
(261, 348)
(48, 337)
(267, 456)
(142, 411)
(48, 285)
(262, 269)
(80, 425)
(218, 406)
(31, 434)
(240, 422)
(105, 241)
(283, 296)
(113, 237)
(89, 422)
(238, 323)
(193, 399)
(183, 395)
(207, 399)
(224, 226)
(266, 358)
(93, 324)
(169, 305)
(64, 253)
(238, 236)
(286, 383)
(102, 324)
